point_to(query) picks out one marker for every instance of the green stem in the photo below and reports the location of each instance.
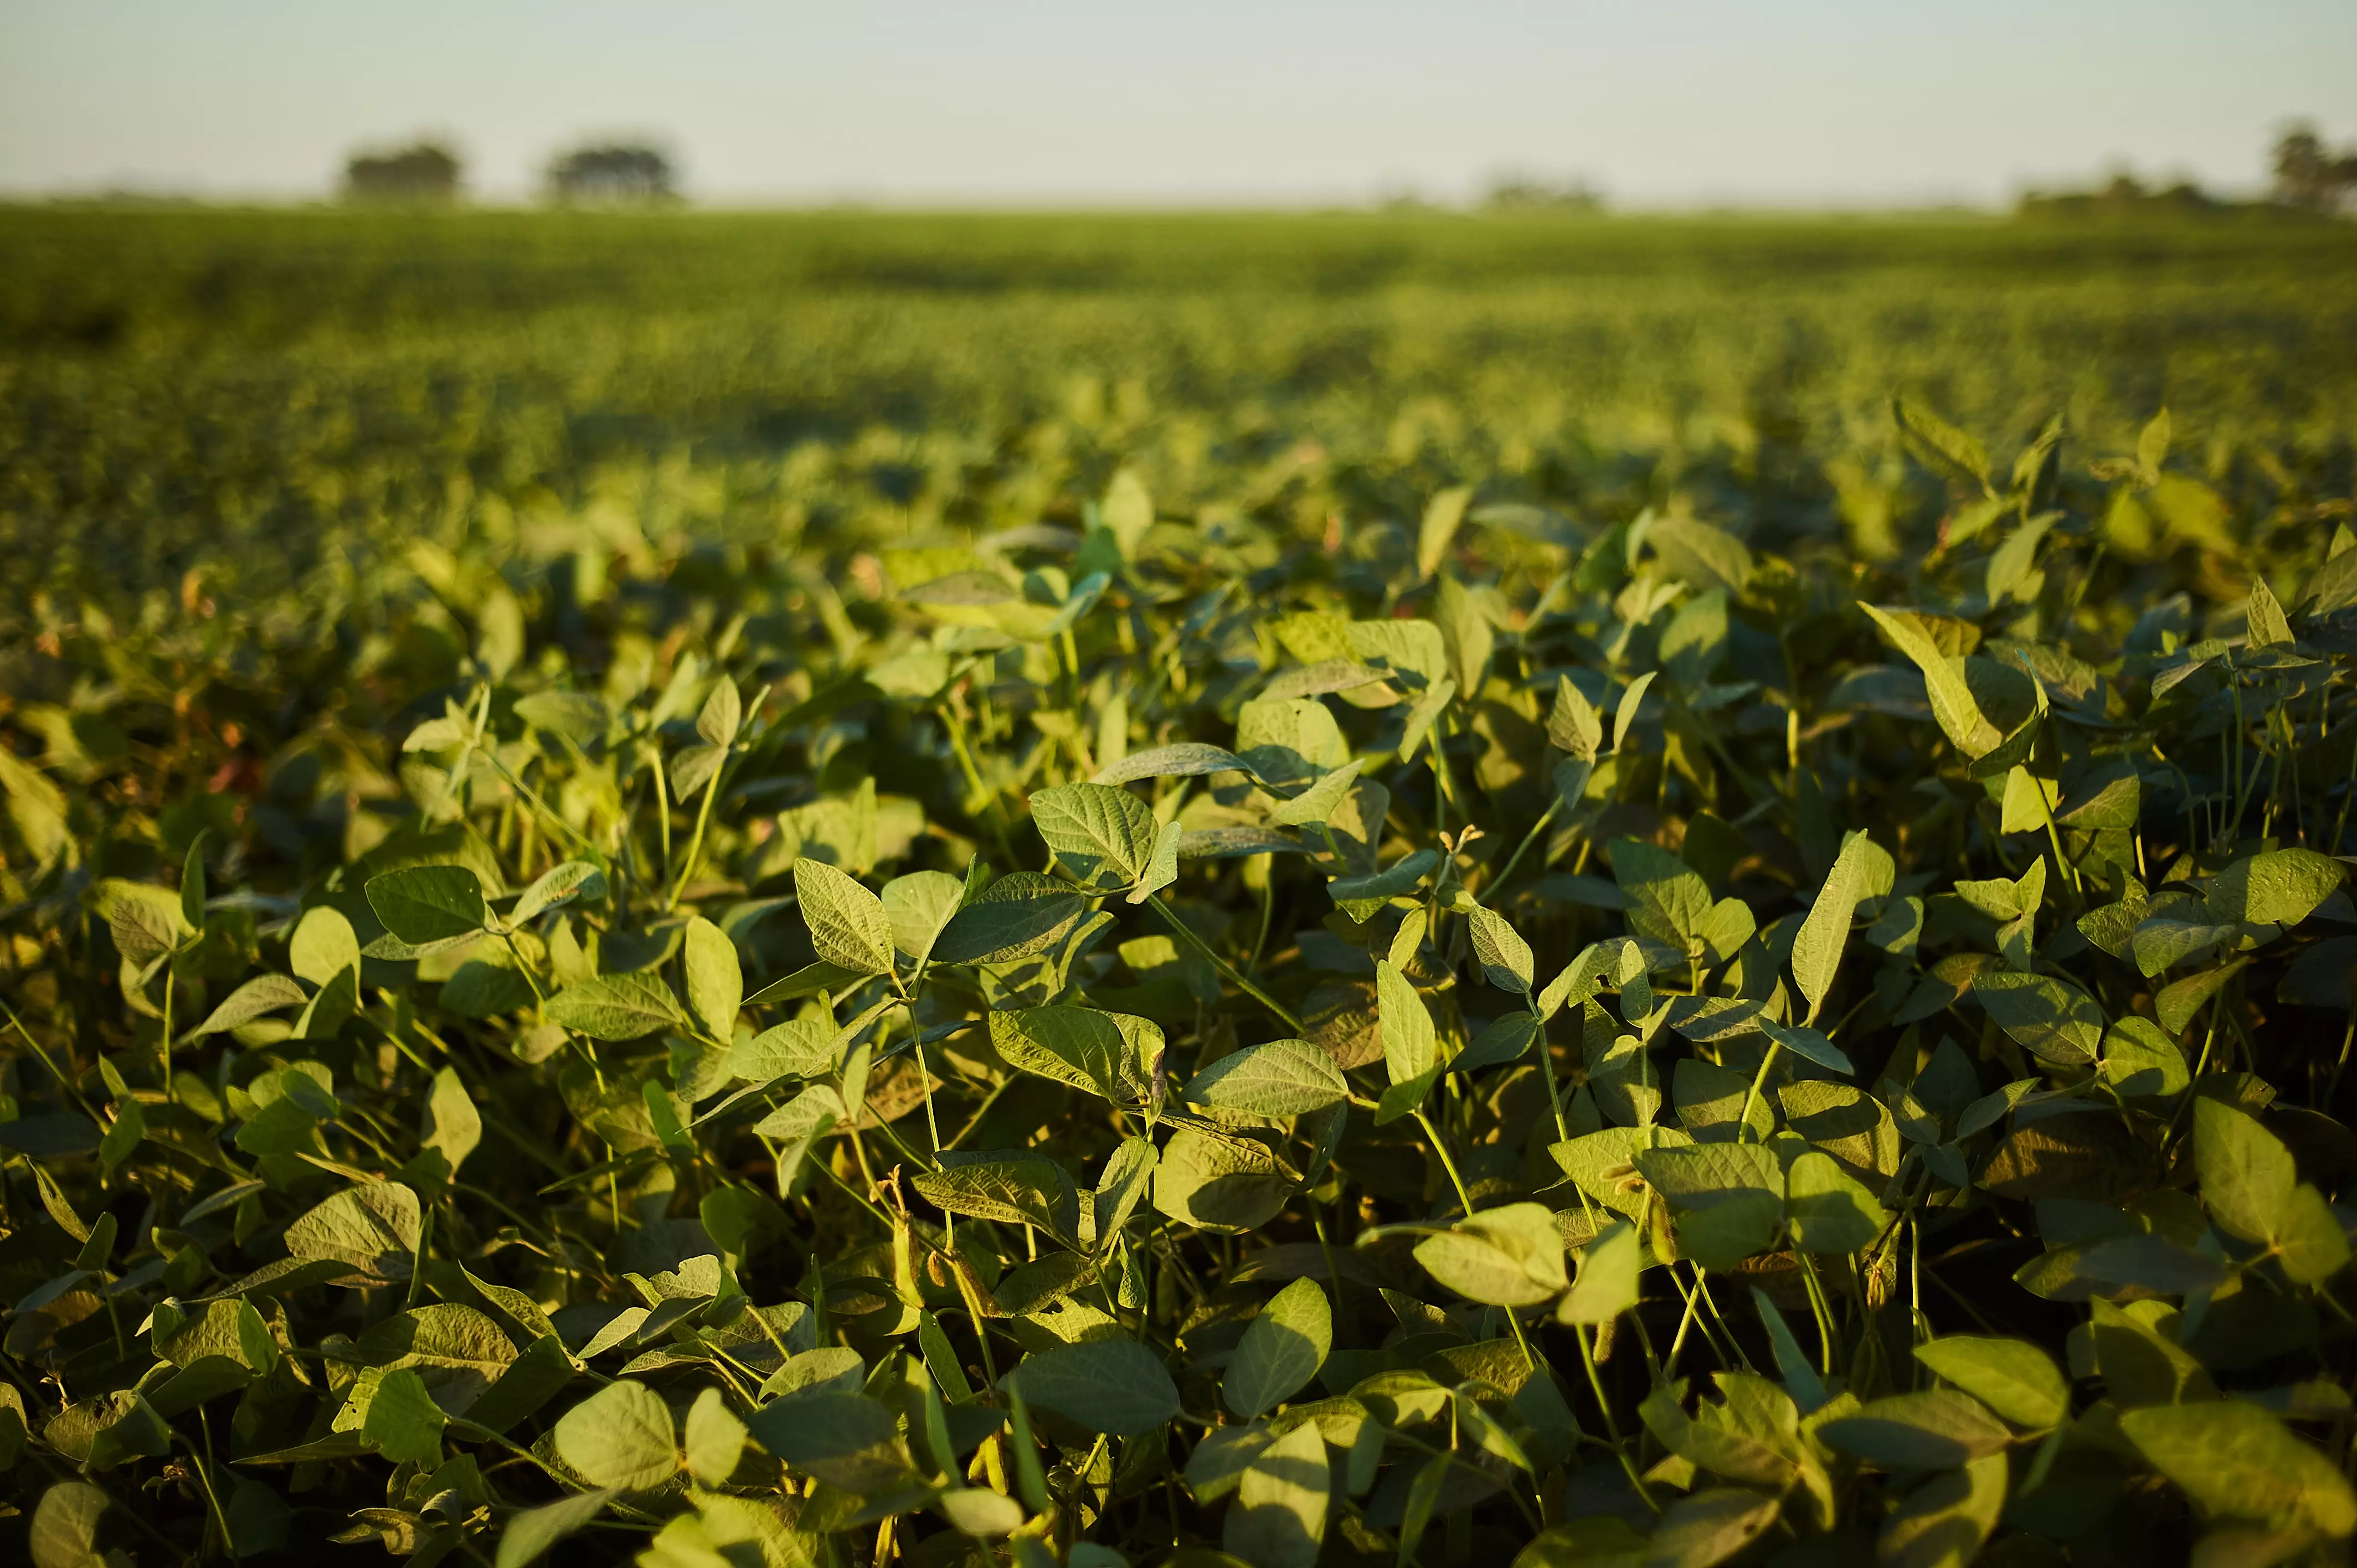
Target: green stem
(662, 805)
(1223, 965)
(695, 843)
(1752, 1096)
(1515, 859)
(1611, 1422)
(170, 1097)
(68, 1084)
(989, 798)
(1440, 1147)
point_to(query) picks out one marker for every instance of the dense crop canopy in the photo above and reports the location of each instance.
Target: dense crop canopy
(1314, 1037)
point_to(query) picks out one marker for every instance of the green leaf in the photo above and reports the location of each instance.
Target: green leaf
(844, 1439)
(2002, 898)
(1410, 1049)
(422, 904)
(1010, 1190)
(2152, 446)
(1163, 869)
(848, 923)
(1422, 716)
(1806, 1389)
(1221, 1183)
(981, 1513)
(1020, 914)
(1817, 951)
(1281, 1350)
(1624, 717)
(1506, 1039)
(1121, 1185)
(801, 1116)
(1443, 514)
(1938, 1429)
(1608, 1267)
(2050, 1018)
(1703, 557)
(735, 1218)
(1277, 1077)
(1702, 1176)
(532, 1532)
(799, 1047)
(618, 1007)
(1943, 1522)
(192, 884)
(1511, 1256)
(723, 713)
(619, 1437)
(65, 1526)
(1721, 1236)
(451, 1122)
(1807, 1044)
(1505, 957)
(2309, 1243)
(1952, 699)
(1940, 445)
(1279, 1519)
(1574, 725)
(713, 1438)
(403, 1422)
(2140, 1061)
(372, 1227)
(2235, 1461)
(577, 716)
(146, 921)
(1709, 1527)
(2177, 1003)
(715, 982)
(263, 994)
(559, 885)
(1404, 1098)
(1827, 1210)
(322, 945)
(2159, 942)
(2012, 1377)
(917, 907)
(1599, 1541)
(1107, 1054)
(531, 1381)
(2264, 616)
(1180, 759)
(1106, 836)
(2281, 886)
(1695, 642)
(2246, 1174)
(1114, 1386)
(1361, 896)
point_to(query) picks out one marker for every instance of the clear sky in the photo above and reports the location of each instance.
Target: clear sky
(1659, 102)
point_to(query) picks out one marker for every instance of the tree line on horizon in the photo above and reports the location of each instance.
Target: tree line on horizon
(430, 172)
(2309, 179)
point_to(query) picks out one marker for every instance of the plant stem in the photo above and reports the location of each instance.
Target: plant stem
(1752, 1097)
(695, 843)
(1440, 1147)
(1515, 859)
(1223, 965)
(1611, 1422)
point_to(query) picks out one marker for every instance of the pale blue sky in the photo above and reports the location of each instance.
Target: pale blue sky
(1662, 102)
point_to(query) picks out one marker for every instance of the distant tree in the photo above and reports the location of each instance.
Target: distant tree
(613, 173)
(1526, 193)
(2310, 176)
(427, 171)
